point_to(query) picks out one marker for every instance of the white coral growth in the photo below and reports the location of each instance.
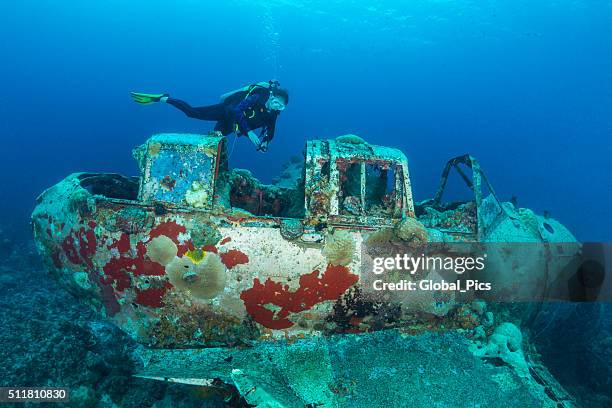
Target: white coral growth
(339, 248)
(506, 344)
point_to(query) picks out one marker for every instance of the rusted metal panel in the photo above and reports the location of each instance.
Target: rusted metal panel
(178, 169)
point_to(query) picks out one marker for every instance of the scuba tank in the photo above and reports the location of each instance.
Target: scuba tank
(271, 84)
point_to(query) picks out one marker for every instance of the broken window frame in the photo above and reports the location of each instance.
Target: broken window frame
(99, 185)
(223, 171)
(476, 185)
(398, 173)
(391, 169)
(317, 188)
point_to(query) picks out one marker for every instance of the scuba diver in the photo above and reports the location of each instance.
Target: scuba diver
(241, 111)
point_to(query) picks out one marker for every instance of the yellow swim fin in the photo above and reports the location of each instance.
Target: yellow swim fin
(145, 99)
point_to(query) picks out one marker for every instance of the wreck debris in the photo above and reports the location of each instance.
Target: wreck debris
(193, 254)
(282, 259)
(248, 193)
(186, 163)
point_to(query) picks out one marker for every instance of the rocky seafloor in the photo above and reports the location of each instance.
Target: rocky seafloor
(48, 338)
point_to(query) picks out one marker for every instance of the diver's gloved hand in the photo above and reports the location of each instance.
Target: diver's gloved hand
(146, 99)
(263, 147)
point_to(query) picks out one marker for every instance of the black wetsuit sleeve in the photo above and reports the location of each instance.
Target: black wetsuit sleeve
(210, 112)
(270, 129)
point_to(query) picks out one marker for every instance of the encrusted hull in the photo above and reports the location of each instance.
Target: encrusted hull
(175, 259)
(195, 279)
(134, 266)
(256, 282)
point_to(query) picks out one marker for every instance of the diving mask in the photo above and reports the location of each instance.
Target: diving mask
(275, 104)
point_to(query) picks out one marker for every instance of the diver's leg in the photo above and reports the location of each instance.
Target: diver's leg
(211, 112)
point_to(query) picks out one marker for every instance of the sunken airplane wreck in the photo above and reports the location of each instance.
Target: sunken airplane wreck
(211, 269)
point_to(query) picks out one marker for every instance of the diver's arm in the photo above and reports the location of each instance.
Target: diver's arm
(253, 138)
(267, 133)
(270, 132)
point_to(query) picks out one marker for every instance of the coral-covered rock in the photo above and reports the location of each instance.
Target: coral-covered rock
(505, 344)
(350, 139)
(412, 231)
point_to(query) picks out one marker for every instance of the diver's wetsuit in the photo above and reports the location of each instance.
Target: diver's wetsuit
(239, 112)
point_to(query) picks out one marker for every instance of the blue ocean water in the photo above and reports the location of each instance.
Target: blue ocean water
(526, 87)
